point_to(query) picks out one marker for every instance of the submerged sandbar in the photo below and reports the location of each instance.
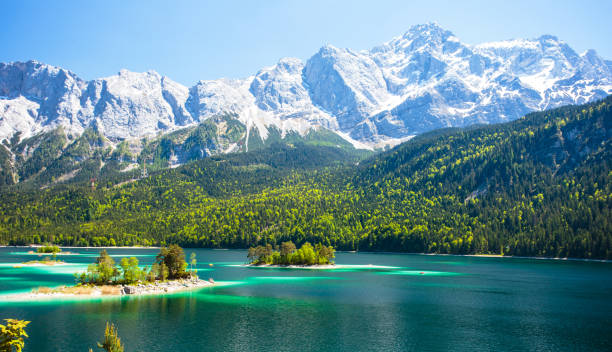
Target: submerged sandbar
(320, 267)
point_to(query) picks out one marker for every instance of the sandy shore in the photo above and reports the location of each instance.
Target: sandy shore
(326, 266)
(506, 257)
(49, 263)
(51, 254)
(320, 267)
(85, 292)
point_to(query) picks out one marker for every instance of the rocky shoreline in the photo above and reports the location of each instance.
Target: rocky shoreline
(164, 287)
(88, 291)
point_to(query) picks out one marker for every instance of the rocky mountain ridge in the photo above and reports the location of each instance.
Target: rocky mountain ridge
(423, 80)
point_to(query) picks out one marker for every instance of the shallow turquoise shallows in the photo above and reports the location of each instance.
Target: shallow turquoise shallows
(400, 303)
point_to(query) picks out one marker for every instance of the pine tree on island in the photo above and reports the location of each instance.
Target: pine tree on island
(169, 264)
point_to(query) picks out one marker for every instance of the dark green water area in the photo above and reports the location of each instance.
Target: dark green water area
(373, 302)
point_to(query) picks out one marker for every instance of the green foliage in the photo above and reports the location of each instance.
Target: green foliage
(324, 254)
(261, 254)
(7, 171)
(12, 335)
(210, 137)
(538, 186)
(170, 264)
(122, 152)
(103, 271)
(173, 258)
(286, 249)
(289, 255)
(193, 262)
(320, 137)
(112, 342)
(163, 272)
(48, 148)
(131, 272)
(63, 160)
(154, 273)
(48, 249)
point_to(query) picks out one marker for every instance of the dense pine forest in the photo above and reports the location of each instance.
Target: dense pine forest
(538, 186)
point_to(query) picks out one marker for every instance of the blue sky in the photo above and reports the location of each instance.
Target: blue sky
(193, 40)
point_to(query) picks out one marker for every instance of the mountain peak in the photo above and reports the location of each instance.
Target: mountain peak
(421, 80)
(328, 49)
(429, 37)
(430, 30)
(290, 64)
(150, 73)
(548, 38)
(36, 65)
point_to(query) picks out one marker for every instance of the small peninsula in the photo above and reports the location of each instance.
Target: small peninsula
(289, 256)
(169, 273)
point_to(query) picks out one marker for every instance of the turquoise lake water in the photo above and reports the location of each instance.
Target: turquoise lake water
(411, 302)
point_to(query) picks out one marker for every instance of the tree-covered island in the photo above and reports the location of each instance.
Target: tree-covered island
(168, 273)
(50, 249)
(288, 254)
(169, 264)
(46, 249)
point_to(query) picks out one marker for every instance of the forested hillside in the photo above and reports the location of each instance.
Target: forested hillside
(56, 157)
(538, 186)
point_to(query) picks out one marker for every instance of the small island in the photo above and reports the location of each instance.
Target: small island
(45, 261)
(288, 255)
(48, 249)
(169, 273)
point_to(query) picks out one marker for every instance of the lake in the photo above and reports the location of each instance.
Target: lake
(381, 302)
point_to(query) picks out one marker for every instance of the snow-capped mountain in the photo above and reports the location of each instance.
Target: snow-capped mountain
(422, 80)
(440, 82)
(43, 97)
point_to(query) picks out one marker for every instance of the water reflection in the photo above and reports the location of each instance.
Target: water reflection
(401, 302)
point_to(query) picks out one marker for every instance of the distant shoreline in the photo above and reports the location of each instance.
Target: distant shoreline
(368, 252)
(515, 257)
(482, 256)
(89, 247)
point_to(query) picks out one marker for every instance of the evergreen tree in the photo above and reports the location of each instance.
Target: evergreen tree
(112, 342)
(173, 257)
(12, 335)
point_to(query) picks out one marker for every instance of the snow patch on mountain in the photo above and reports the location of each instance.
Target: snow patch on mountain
(134, 104)
(422, 80)
(440, 82)
(18, 115)
(210, 98)
(346, 84)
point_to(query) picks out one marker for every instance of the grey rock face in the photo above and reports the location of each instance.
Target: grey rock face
(346, 84)
(424, 79)
(54, 89)
(279, 87)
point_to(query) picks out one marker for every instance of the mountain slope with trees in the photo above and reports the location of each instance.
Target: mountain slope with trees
(538, 186)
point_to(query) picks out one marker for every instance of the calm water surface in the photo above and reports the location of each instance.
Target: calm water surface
(414, 302)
